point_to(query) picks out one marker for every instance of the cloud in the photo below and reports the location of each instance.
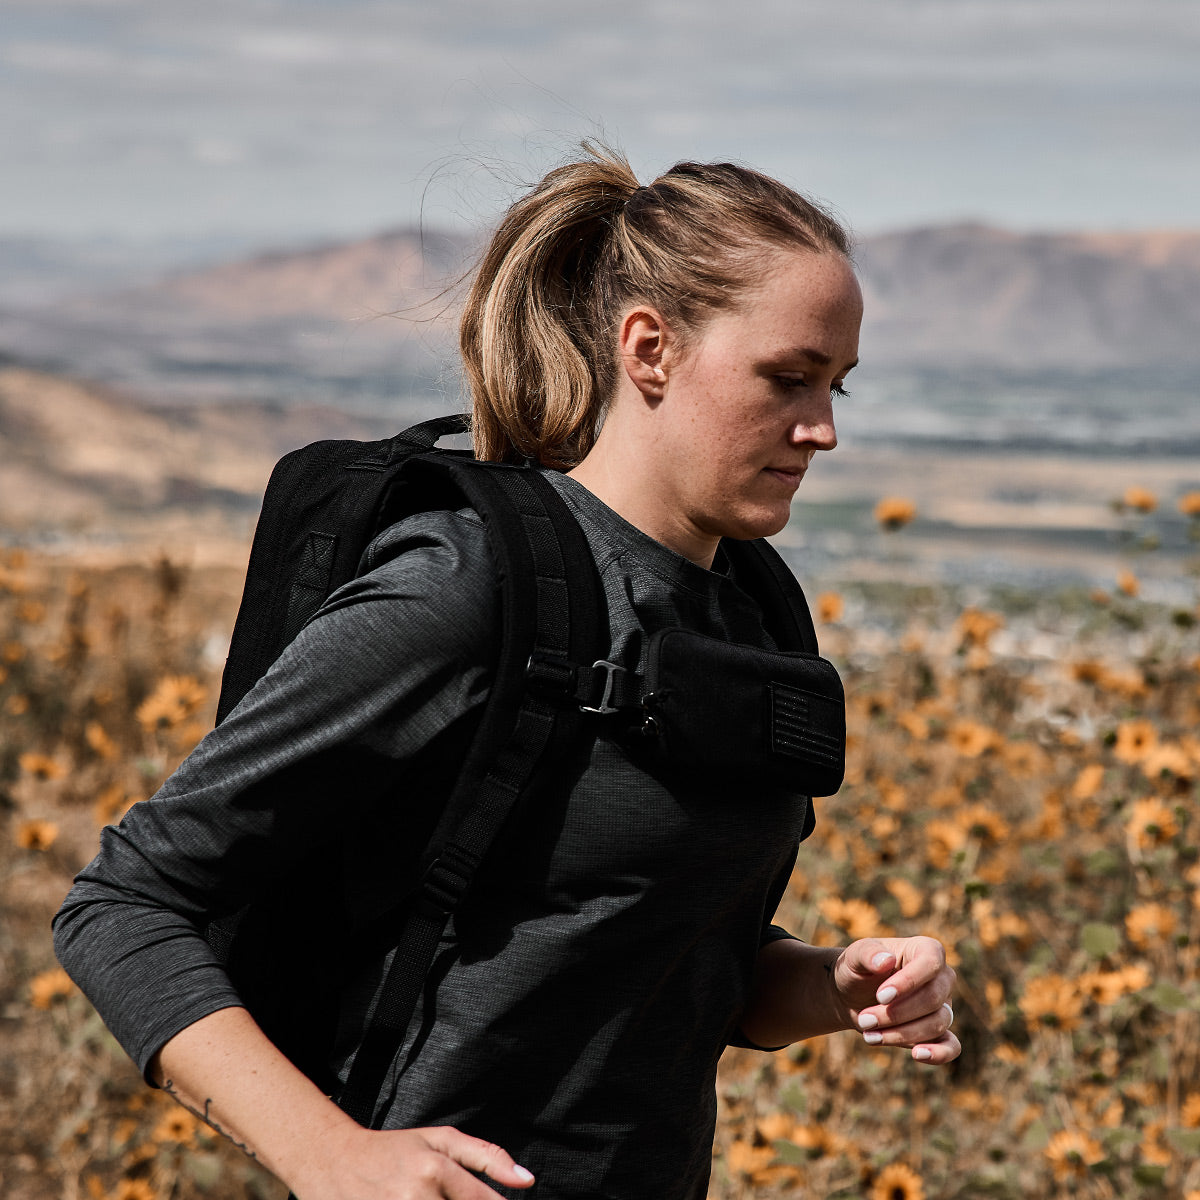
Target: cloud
(901, 109)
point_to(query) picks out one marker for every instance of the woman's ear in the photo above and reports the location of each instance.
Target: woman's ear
(645, 335)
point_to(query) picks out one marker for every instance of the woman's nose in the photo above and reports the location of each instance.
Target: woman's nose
(816, 429)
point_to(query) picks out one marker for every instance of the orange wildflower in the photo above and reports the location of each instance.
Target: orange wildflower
(915, 725)
(36, 834)
(41, 766)
(176, 698)
(970, 738)
(894, 512)
(1149, 923)
(1072, 1153)
(1009, 1054)
(775, 1126)
(830, 607)
(897, 1182)
(818, 1141)
(111, 805)
(1135, 740)
(1135, 977)
(1088, 781)
(980, 822)
(1189, 1114)
(975, 626)
(1168, 759)
(1139, 498)
(858, 918)
(911, 899)
(133, 1189)
(1152, 823)
(1152, 1150)
(1107, 987)
(176, 1126)
(1051, 1000)
(994, 926)
(49, 986)
(98, 740)
(755, 1163)
(1127, 583)
(1022, 758)
(942, 840)
(1189, 504)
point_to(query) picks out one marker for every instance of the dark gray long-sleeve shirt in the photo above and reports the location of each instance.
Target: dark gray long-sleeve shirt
(580, 1001)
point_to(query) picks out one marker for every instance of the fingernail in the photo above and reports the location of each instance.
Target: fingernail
(886, 995)
(873, 1039)
(922, 1054)
(523, 1175)
(880, 959)
(868, 1021)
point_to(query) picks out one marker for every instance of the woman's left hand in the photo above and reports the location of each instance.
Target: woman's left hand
(897, 993)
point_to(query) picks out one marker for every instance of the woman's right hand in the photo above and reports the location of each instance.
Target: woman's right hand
(408, 1164)
(225, 1070)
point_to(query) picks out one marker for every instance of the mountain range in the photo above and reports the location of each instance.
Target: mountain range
(1011, 384)
(369, 324)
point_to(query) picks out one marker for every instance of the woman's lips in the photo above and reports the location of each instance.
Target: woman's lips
(790, 477)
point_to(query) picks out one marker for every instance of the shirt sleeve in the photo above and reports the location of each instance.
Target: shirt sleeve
(772, 933)
(393, 660)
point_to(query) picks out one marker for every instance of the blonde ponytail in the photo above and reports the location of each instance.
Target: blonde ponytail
(538, 329)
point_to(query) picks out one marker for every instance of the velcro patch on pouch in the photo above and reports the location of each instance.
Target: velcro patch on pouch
(804, 725)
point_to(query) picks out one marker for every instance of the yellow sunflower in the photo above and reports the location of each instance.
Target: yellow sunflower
(49, 986)
(1149, 923)
(1072, 1153)
(40, 766)
(175, 698)
(1152, 823)
(176, 1126)
(858, 918)
(830, 607)
(36, 834)
(970, 738)
(897, 1182)
(1051, 1000)
(1140, 498)
(1136, 740)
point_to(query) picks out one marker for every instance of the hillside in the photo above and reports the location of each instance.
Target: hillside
(970, 295)
(366, 324)
(93, 461)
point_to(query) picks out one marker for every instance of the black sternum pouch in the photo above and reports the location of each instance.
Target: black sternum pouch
(737, 712)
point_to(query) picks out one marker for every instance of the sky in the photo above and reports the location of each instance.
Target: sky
(287, 120)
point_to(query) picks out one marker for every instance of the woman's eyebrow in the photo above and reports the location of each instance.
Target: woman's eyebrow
(818, 356)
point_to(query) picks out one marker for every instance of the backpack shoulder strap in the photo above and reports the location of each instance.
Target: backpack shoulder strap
(761, 571)
(551, 612)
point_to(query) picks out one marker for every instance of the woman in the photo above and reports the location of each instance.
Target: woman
(669, 355)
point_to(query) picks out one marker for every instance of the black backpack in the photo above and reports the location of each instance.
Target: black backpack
(323, 506)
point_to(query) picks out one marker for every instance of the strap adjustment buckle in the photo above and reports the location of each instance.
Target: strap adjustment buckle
(610, 669)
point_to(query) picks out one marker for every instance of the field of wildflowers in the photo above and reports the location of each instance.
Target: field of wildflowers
(1022, 784)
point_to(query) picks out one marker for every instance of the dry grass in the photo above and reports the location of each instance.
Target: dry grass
(1022, 786)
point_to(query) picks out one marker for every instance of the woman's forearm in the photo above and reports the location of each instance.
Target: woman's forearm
(224, 1069)
(792, 996)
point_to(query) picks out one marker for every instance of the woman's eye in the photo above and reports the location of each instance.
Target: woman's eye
(839, 389)
(792, 381)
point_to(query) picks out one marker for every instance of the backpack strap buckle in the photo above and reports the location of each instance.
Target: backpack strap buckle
(604, 708)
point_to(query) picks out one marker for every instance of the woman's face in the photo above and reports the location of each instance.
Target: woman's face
(748, 403)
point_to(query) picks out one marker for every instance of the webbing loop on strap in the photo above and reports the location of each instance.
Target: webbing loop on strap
(447, 878)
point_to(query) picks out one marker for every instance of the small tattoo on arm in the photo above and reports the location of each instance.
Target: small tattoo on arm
(206, 1116)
